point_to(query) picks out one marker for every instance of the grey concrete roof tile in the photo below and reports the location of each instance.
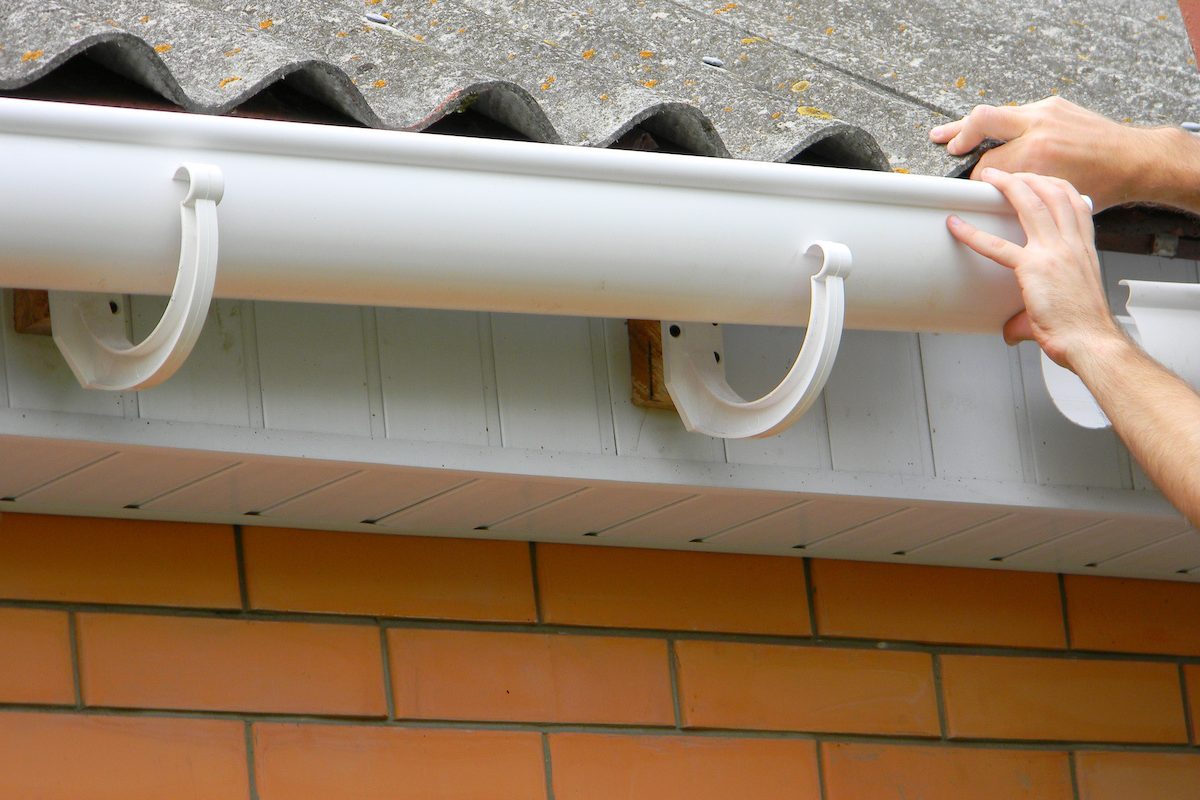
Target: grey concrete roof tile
(857, 84)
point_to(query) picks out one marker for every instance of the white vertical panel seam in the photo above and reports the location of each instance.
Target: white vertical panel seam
(490, 384)
(256, 416)
(372, 368)
(600, 379)
(1016, 373)
(921, 409)
(928, 426)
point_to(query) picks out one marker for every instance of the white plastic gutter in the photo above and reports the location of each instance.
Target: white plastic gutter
(115, 201)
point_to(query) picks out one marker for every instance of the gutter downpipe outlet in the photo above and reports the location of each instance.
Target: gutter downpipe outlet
(325, 214)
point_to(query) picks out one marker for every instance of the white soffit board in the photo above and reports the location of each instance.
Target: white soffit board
(335, 495)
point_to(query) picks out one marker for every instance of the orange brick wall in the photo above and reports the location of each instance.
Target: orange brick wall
(162, 660)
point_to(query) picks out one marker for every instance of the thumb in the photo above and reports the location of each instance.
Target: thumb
(1019, 328)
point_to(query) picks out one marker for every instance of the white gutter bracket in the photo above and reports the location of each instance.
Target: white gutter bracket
(694, 364)
(91, 335)
(1164, 319)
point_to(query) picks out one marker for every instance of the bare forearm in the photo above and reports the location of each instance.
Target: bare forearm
(1166, 170)
(1155, 413)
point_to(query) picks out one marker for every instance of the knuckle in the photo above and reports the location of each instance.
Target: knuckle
(981, 114)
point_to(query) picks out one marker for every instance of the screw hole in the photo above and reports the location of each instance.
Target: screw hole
(591, 533)
(132, 507)
(717, 356)
(252, 514)
(996, 558)
(113, 307)
(675, 332)
(799, 546)
(481, 527)
(367, 522)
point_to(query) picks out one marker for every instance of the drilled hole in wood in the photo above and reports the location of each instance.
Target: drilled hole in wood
(113, 307)
(799, 547)
(899, 553)
(132, 507)
(13, 500)
(1093, 565)
(368, 522)
(252, 514)
(696, 541)
(675, 331)
(996, 558)
(481, 527)
(717, 356)
(591, 533)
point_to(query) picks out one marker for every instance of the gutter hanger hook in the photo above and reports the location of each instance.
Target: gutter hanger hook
(695, 374)
(93, 339)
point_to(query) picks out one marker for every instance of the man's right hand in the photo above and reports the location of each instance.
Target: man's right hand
(1109, 162)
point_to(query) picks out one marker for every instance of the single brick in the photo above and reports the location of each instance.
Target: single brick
(366, 763)
(35, 657)
(387, 575)
(892, 772)
(1133, 616)
(776, 687)
(71, 756)
(605, 767)
(117, 561)
(629, 588)
(994, 697)
(530, 677)
(1138, 776)
(937, 604)
(139, 661)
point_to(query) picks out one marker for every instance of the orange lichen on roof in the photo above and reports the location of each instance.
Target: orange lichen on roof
(266, 23)
(800, 86)
(814, 112)
(145, 18)
(725, 9)
(33, 55)
(226, 81)
(418, 37)
(776, 114)
(829, 31)
(647, 54)
(901, 170)
(341, 34)
(650, 84)
(589, 54)
(379, 84)
(960, 83)
(233, 52)
(546, 84)
(162, 48)
(753, 40)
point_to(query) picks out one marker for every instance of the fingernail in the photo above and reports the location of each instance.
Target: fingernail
(937, 131)
(953, 219)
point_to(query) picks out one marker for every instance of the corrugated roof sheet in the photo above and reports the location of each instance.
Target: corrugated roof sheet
(862, 81)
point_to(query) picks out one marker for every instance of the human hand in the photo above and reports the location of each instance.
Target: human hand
(1058, 271)
(1105, 160)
